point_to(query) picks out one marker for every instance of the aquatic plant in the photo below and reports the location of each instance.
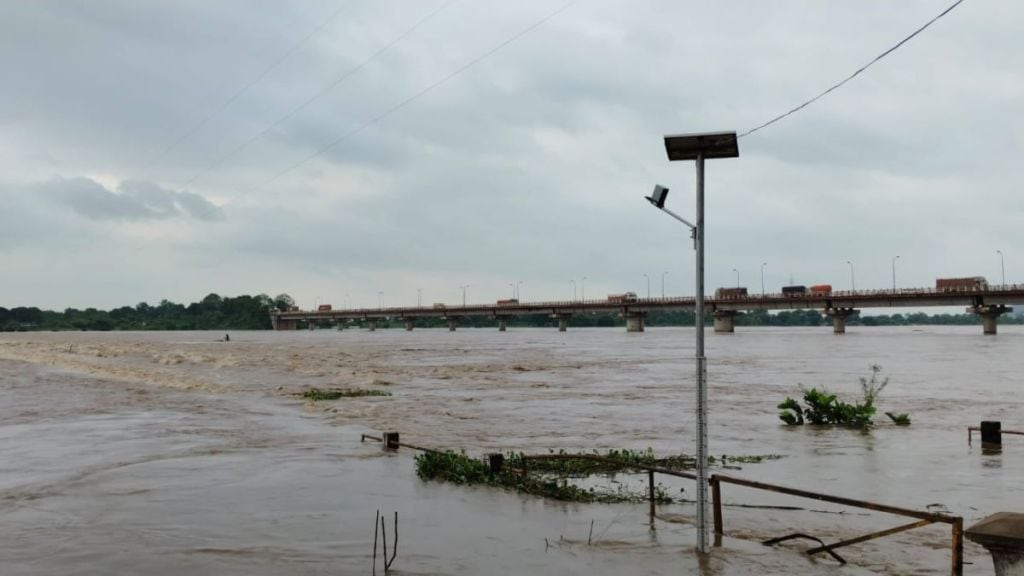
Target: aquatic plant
(336, 393)
(822, 407)
(549, 477)
(899, 419)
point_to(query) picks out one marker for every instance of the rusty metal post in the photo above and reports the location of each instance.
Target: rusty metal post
(650, 489)
(958, 547)
(716, 495)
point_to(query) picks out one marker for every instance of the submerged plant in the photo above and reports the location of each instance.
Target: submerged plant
(822, 407)
(336, 393)
(870, 389)
(899, 419)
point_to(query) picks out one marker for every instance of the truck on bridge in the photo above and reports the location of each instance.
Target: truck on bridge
(323, 308)
(737, 292)
(508, 302)
(961, 284)
(621, 298)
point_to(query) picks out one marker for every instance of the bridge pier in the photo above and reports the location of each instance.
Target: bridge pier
(839, 316)
(283, 324)
(452, 324)
(563, 321)
(725, 321)
(502, 324)
(989, 316)
(635, 321)
(371, 324)
(410, 323)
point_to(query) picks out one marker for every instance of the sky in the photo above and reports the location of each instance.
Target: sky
(360, 152)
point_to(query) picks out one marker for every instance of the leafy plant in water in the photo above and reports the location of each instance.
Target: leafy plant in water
(899, 419)
(822, 407)
(870, 389)
(336, 393)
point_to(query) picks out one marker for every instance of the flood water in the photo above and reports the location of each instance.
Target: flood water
(169, 453)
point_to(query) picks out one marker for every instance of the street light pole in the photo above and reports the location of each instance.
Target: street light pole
(583, 289)
(1002, 266)
(419, 297)
(663, 274)
(853, 285)
(518, 284)
(380, 299)
(699, 147)
(464, 294)
(648, 286)
(573, 282)
(763, 264)
(894, 273)
(737, 277)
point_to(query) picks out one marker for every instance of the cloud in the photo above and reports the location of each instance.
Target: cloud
(133, 200)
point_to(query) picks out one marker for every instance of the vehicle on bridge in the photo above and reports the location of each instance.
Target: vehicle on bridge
(620, 298)
(794, 290)
(508, 302)
(737, 292)
(961, 284)
(439, 306)
(821, 289)
(323, 308)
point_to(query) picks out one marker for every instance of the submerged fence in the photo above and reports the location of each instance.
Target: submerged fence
(923, 518)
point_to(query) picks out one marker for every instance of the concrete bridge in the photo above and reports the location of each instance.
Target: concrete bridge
(989, 302)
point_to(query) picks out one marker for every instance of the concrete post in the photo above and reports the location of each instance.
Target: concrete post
(452, 323)
(635, 321)
(502, 324)
(1002, 534)
(989, 316)
(563, 322)
(410, 323)
(839, 316)
(725, 321)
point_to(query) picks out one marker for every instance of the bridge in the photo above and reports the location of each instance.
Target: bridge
(989, 302)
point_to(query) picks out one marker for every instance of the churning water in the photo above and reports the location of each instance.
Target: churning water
(171, 453)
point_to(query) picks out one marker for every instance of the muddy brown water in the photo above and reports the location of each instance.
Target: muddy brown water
(169, 453)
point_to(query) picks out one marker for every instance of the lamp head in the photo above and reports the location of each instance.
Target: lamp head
(658, 196)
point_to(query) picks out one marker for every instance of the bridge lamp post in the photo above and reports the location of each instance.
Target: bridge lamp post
(380, 299)
(419, 297)
(763, 264)
(573, 282)
(648, 278)
(464, 294)
(853, 285)
(737, 277)
(518, 284)
(512, 285)
(583, 288)
(894, 272)
(1002, 265)
(663, 274)
(698, 147)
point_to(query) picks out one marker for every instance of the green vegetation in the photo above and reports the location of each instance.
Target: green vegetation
(821, 407)
(316, 394)
(213, 312)
(548, 478)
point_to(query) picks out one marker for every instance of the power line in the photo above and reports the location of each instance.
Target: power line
(854, 75)
(351, 71)
(199, 126)
(403, 103)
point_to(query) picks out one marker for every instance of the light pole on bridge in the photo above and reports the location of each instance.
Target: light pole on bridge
(518, 284)
(380, 299)
(573, 282)
(648, 278)
(763, 264)
(853, 285)
(894, 272)
(464, 294)
(663, 274)
(698, 147)
(1002, 265)
(419, 297)
(583, 289)
(737, 277)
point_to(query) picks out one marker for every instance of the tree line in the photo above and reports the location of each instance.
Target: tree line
(215, 312)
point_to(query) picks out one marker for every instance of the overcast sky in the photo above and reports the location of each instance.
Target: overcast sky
(145, 147)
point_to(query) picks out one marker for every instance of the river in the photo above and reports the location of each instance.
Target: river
(173, 452)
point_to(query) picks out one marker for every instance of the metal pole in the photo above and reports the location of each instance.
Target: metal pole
(853, 285)
(737, 277)
(1002, 266)
(583, 289)
(894, 273)
(663, 284)
(573, 282)
(763, 264)
(648, 278)
(702, 392)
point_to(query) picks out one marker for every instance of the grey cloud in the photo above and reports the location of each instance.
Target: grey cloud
(133, 200)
